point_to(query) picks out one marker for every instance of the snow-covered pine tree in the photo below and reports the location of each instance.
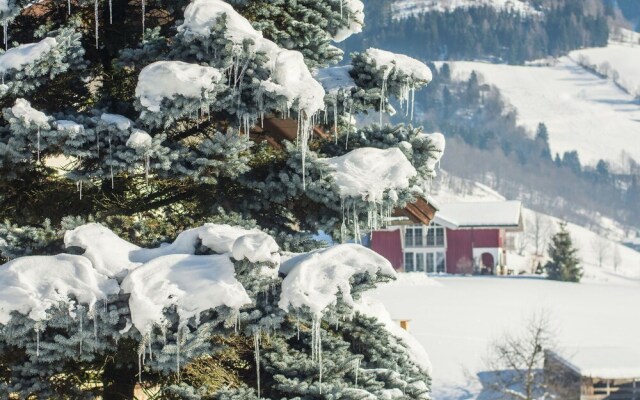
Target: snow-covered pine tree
(147, 117)
(564, 264)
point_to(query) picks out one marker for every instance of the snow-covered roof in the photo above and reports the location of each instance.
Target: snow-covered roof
(601, 362)
(483, 214)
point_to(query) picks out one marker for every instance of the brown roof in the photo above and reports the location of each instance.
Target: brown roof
(275, 130)
(418, 212)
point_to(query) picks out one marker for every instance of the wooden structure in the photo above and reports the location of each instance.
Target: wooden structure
(593, 374)
(422, 211)
(276, 130)
(404, 324)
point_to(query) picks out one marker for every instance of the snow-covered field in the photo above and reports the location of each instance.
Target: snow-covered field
(582, 111)
(455, 319)
(404, 8)
(621, 59)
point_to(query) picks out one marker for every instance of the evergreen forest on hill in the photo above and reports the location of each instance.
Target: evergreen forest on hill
(486, 32)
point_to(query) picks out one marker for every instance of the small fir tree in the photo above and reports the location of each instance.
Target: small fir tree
(564, 264)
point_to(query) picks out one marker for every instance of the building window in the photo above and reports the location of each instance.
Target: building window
(420, 262)
(417, 237)
(408, 262)
(430, 263)
(431, 239)
(439, 236)
(435, 236)
(440, 263)
(413, 237)
(408, 237)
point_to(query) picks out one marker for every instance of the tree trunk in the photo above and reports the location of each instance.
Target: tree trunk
(119, 383)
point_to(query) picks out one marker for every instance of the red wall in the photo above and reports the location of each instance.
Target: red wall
(389, 245)
(460, 245)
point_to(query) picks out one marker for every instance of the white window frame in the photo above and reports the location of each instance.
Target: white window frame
(427, 255)
(411, 240)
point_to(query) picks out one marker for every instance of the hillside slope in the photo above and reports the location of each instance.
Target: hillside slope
(404, 8)
(582, 111)
(618, 61)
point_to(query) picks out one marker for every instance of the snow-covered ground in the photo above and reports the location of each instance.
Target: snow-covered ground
(405, 8)
(618, 60)
(456, 318)
(582, 111)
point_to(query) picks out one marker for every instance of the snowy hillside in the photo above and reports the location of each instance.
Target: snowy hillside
(458, 317)
(582, 111)
(405, 8)
(619, 61)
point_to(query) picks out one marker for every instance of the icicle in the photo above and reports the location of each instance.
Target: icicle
(98, 143)
(37, 328)
(316, 344)
(95, 326)
(256, 344)
(144, 11)
(147, 163)
(343, 226)
(81, 328)
(5, 30)
(346, 146)
(335, 119)
(341, 9)
(383, 92)
(38, 145)
(413, 101)
(111, 163)
(178, 353)
(97, 23)
(111, 12)
(356, 228)
(305, 126)
(357, 370)
(140, 355)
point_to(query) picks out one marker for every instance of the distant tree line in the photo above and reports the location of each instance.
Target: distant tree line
(486, 144)
(486, 32)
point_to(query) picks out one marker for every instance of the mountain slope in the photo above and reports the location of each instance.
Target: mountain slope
(582, 111)
(404, 8)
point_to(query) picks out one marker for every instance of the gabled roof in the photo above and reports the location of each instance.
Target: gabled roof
(601, 362)
(481, 214)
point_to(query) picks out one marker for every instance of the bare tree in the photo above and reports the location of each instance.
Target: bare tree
(516, 360)
(521, 242)
(601, 249)
(617, 257)
(539, 232)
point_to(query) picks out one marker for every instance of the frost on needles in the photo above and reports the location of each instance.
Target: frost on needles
(151, 118)
(212, 281)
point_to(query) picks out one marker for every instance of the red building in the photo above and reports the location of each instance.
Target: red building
(463, 238)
